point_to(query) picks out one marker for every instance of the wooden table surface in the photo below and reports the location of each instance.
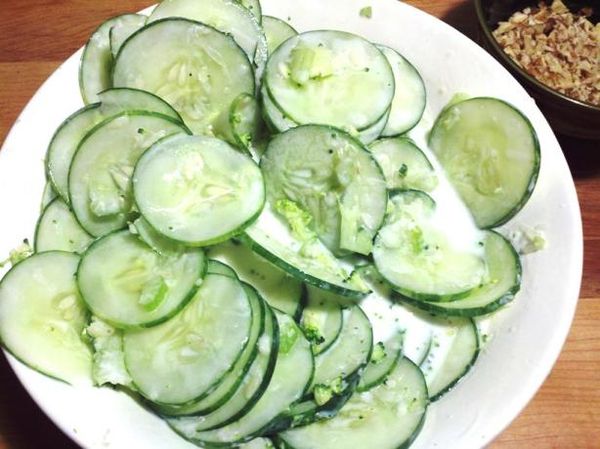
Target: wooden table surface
(37, 35)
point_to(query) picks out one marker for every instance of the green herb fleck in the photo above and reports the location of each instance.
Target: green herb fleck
(366, 12)
(403, 171)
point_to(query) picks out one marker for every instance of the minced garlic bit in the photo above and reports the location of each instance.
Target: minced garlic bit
(559, 48)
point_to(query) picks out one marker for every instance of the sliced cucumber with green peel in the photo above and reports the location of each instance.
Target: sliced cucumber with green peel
(350, 352)
(154, 239)
(322, 319)
(491, 154)
(415, 253)
(109, 359)
(331, 176)
(197, 190)
(127, 284)
(303, 255)
(48, 196)
(453, 352)
(71, 132)
(175, 362)
(42, 317)
(97, 59)
(231, 382)
(228, 16)
(502, 282)
(58, 229)
(195, 68)
(382, 362)
(254, 383)
(244, 120)
(389, 416)
(218, 267)
(330, 77)
(277, 32)
(121, 31)
(410, 96)
(403, 164)
(293, 371)
(100, 174)
(253, 6)
(278, 288)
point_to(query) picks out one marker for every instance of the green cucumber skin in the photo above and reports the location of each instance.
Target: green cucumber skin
(46, 159)
(124, 89)
(382, 378)
(452, 384)
(164, 411)
(15, 356)
(185, 302)
(473, 312)
(298, 274)
(532, 181)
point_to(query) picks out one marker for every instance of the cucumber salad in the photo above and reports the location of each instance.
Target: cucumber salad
(241, 232)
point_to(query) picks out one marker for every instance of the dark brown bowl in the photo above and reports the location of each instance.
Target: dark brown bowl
(566, 115)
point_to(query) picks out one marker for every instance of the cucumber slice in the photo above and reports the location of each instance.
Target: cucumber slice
(58, 229)
(71, 132)
(279, 289)
(182, 359)
(322, 319)
(416, 255)
(410, 96)
(307, 259)
(197, 190)
(389, 416)
(292, 374)
(127, 284)
(454, 351)
(253, 386)
(253, 6)
(382, 362)
(229, 17)
(195, 68)
(349, 353)
(244, 120)
(42, 316)
(491, 155)
(97, 59)
(258, 443)
(277, 32)
(230, 383)
(503, 281)
(217, 267)
(109, 359)
(100, 174)
(334, 178)
(403, 164)
(48, 196)
(121, 31)
(330, 77)
(155, 240)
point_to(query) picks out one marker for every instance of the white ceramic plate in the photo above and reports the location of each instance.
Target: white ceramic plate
(526, 337)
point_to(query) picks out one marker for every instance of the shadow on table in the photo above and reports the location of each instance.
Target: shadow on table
(22, 424)
(583, 156)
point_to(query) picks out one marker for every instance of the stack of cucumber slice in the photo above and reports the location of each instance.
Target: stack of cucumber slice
(234, 211)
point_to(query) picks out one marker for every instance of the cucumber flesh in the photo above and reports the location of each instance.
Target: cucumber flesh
(117, 99)
(100, 174)
(277, 32)
(330, 175)
(253, 6)
(453, 352)
(244, 120)
(121, 31)
(292, 374)
(322, 319)
(490, 153)
(278, 288)
(197, 190)
(127, 284)
(218, 267)
(403, 164)
(97, 59)
(58, 229)
(383, 360)
(388, 416)
(417, 256)
(109, 359)
(175, 362)
(330, 77)
(502, 283)
(258, 443)
(48, 195)
(195, 68)
(410, 96)
(42, 317)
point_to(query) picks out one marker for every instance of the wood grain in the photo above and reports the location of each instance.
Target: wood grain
(37, 35)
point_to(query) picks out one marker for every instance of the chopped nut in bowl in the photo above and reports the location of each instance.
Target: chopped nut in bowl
(553, 49)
